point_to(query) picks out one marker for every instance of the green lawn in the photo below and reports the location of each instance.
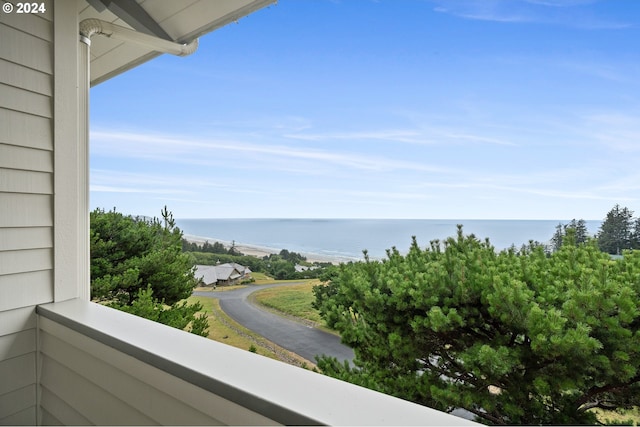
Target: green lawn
(294, 300)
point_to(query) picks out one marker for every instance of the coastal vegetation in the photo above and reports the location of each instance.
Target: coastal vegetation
(137, 266)
(516, 337)
(544, 334)
(285, 265)
(619, 231)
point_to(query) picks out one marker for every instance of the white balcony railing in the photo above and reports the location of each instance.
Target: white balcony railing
(102, 366)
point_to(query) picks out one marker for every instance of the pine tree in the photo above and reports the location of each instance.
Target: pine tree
(558, 237)
(137, 265)
(580, 233)
(635, 234)
(616, 230)
(514, 337)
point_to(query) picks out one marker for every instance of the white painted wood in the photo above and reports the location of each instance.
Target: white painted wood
(25, 289)
(85, 11)
(159, 395)
(25, 210)
(17, 99)
(26, 260)
(182, 21)
(25, 49)
(25, 417)
(26, 187)
(15, 157)
(131, 394)
(35, 24)
(17, 344)
(18, 320)
(71, 163)
(191, 21)
(127, 53)
(17, 372)
(166, 10)
(275, 390)
(17, 350)
(16, 402)
(24, 130)
(17, 181)
(90, 400)
(53, 409)
(25, 238)
(25, 78)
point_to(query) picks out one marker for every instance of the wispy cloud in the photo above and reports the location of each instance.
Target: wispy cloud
(553, 12)
(123, 189)
(613, 131)
(561, 3)
(422, 136)
(482, 11)
(209, 152)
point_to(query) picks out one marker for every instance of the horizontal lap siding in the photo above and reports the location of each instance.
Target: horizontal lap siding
(28, 131)
(26, 157)
(17, 366)
(106, 386)
(24, 48)
(86, 399)
(26, 200)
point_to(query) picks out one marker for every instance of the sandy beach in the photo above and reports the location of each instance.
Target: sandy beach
(260, 251)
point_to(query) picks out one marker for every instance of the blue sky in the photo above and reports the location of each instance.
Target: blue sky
(469, 109)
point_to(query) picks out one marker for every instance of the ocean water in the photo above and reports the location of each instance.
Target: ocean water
(347, 238)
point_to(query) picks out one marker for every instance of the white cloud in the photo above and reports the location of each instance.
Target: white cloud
(420, 136)
(561, 3)
(615, 131)
(528, 11)
(178, 149)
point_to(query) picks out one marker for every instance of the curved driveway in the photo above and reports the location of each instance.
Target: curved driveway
(296, 337)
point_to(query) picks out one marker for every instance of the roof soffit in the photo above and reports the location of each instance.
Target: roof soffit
(180, 20)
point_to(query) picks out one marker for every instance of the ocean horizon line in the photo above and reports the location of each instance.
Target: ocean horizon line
(348, 238)
(380, 219)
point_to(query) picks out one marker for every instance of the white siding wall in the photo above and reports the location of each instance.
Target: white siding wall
(85, 382)
(26, 203)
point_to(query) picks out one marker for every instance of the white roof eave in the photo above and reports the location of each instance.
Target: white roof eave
(182, 20)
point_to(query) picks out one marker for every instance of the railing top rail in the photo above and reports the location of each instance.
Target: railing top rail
(283, 393)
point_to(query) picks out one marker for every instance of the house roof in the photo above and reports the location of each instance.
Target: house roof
(181, 21)
(207, 273)
(213, 273)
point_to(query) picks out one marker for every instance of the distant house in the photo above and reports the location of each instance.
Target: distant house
(300, 268)
(222, 274)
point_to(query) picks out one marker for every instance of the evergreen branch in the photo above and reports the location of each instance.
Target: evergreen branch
(586, 400)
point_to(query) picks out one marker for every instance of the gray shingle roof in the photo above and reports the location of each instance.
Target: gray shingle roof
(211, 274)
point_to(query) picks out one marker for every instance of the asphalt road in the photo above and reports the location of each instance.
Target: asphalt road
(296, 337)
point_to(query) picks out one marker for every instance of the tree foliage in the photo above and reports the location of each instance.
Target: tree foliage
(215, 248)
(617, 231)
(137, 265)
(291, 256)
(180, 315)
(516, 337)
(274, 264)
(130, 254)
(580, 233)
